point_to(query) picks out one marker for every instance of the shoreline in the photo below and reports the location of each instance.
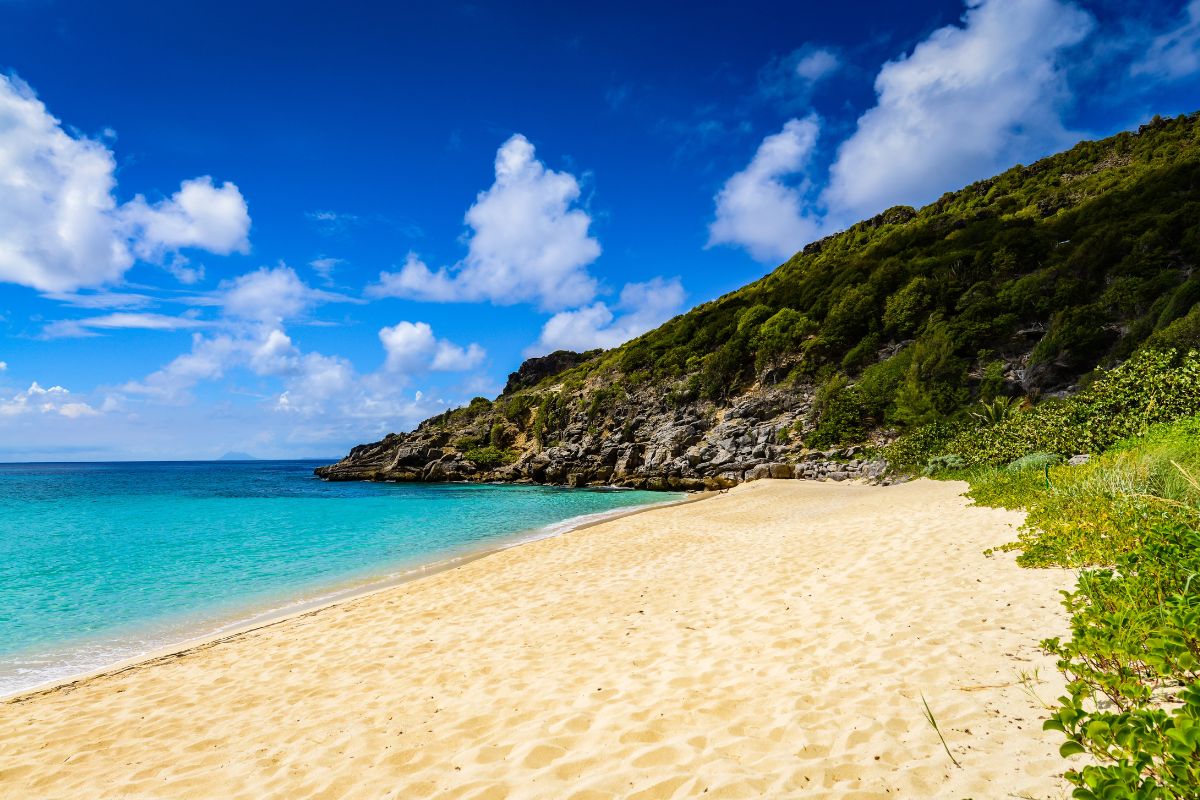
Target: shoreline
(336, 596)
(780, 639)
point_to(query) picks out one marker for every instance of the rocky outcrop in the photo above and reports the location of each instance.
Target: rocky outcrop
(643, 441)
(533, 370)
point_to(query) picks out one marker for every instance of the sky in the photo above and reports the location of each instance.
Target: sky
(287, 228)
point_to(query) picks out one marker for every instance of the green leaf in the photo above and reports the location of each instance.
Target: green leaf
(1070, 748)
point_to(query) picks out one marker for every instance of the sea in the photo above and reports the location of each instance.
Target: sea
(104, 562)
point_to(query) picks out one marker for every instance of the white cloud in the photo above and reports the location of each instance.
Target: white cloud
(527, 242)
(788, 82)
(642, 306)
(180, 268)
(325, 266)
(271, 294)
(120, 321)
(816, 64)
(60, 226)
(3, 366)
(57, 212)
(757, 210)
(101, 300)
(417, 281)
(208, 360)
(1176, 53)
(198, 215)
(412, 347)
(37, 400)
(969, 101)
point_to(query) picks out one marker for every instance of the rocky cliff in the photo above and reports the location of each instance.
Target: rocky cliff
(639, 441)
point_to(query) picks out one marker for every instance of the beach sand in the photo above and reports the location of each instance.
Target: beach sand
(773, 641)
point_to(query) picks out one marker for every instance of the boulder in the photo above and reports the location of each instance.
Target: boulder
(759, 472)
(780, 470)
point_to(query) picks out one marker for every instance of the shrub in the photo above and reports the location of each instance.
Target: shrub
(946, 463)
(838, 411)
(1153, 386)
(935, 383)
(490, 456)
(903, 310)
(996, 410)
(1034, 461)
(780, 336)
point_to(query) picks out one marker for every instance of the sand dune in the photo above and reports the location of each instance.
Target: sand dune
(774, 641)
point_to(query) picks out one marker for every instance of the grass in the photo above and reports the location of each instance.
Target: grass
(933, 724)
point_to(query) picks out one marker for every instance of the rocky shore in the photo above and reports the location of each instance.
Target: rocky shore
(640, 442)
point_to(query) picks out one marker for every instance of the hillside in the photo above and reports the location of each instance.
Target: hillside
(1020, 285)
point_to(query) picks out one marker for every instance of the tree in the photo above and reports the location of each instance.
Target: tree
(780, 336)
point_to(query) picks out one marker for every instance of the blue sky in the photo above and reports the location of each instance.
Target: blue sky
(286, 228)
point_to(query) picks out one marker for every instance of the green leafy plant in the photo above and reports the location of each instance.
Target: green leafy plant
(1034, 461)
(490, 456)
(997, 410)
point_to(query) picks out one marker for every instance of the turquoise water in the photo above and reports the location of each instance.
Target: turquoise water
(102, 562)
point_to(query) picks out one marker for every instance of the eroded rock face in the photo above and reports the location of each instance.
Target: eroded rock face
(533, 370)
(643, 442)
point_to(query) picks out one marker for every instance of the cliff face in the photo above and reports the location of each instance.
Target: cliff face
(1018, 286)
(640, 441)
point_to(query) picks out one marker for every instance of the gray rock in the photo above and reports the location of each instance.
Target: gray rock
(874, 469)
(780, 470)
(759, 472)
(1081, 458)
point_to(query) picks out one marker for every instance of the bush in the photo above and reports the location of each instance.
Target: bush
(946, 463)
(1034, 461)
(904, 310)
(935, 383)
(490, 456)
(838, 409)
(1153, 386)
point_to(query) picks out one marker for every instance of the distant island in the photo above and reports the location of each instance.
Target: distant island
(237, 455)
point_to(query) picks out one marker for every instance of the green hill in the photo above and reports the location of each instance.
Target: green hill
(1021, 285)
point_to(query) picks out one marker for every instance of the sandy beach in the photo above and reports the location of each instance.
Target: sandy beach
(772, 641)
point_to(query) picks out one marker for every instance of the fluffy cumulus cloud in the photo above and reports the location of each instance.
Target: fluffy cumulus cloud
(758, 208)
(254, 341)
(1175, 53)
(642, 306)
(38, 400)
(970, 100)
(411, 347)
(61, 227)
(527, 242)
(271, 294)
(199, 215)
